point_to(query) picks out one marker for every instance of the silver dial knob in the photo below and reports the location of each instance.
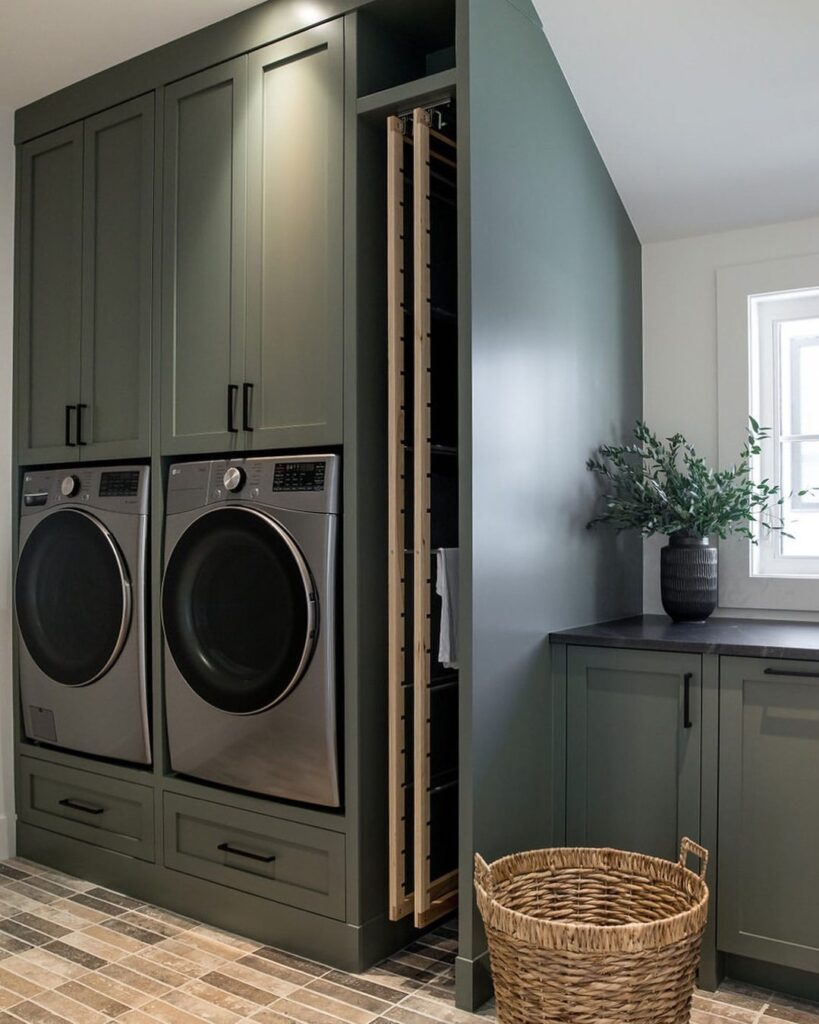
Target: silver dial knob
(69, 486)
(234, 479)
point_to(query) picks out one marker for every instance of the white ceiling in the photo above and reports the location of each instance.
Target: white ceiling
(705, 111)
(48, 44)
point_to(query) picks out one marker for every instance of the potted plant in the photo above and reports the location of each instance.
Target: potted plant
(664, 487)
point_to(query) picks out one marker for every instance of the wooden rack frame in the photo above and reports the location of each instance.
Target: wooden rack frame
(429, 898)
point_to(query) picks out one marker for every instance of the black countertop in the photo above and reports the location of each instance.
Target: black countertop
(757, 638)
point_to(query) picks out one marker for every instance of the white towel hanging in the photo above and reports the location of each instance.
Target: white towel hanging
(446, 586)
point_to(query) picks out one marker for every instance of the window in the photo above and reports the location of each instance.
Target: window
(768, 368)
(784, 377)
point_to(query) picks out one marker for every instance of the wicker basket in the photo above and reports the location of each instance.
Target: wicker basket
(593, 936)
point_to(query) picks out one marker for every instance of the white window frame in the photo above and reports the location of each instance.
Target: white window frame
(738, 288)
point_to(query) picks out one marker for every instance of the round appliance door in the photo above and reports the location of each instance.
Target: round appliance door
(239, 610)
(73, 597)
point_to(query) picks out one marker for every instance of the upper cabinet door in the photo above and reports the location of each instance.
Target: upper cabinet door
(295, 240)
(203, 270)
(633, 749)
(116, 307)
(50, 251)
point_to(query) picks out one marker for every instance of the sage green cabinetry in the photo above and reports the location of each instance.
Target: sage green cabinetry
(295, 239)
(85, 288)
(203, 258)
(769, 811)
(633, 749)
(253, 250)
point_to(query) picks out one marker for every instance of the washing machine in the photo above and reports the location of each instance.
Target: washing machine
(249, 620)
(80, 610)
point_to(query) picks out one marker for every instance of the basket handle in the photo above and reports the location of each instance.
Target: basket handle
(481, 872)
(689, 846)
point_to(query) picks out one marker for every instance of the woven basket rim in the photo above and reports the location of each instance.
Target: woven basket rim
(591, 938)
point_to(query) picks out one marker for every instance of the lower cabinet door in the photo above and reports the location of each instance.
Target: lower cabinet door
(269, 857)
(84, 805)
(633, 749)
(769, 811)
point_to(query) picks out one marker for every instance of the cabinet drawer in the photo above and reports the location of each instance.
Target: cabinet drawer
(93, 808)
(269, 857)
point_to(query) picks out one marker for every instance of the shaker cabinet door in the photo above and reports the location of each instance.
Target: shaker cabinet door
(769, 811)
(203, 271)
(50, 254)
(295, 240)
(116, 288)
(633, 749)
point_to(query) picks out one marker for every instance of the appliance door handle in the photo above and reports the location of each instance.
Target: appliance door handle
(238, 852)
(232, 392)
(80, 805)
(80, 441)
(68, 441)
(687, 723)
(247, 394)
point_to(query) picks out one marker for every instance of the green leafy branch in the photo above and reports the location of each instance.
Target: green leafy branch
(664, 486)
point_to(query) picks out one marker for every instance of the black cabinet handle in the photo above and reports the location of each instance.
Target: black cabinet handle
(228, 848)
(232, 392)
(68, 441)
(80, 441)
(792, 672)
(247, 394)
(79, 805)
(687, 723)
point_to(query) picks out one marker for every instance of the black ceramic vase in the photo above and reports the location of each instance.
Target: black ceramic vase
(688, 578)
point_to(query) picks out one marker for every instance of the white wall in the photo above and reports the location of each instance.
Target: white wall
(6, 288)
(680, 342)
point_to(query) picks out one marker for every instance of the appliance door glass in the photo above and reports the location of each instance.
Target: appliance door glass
(73, 597)
(239, 610)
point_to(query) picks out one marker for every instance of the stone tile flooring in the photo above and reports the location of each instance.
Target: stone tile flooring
(74, 953)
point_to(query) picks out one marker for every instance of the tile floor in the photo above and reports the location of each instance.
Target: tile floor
(74, 953)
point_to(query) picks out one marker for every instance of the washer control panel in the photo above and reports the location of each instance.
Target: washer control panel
(116, 488)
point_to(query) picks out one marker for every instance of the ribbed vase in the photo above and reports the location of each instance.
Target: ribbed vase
(689, 577)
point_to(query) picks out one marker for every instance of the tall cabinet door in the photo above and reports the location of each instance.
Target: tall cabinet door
(295, 240)
(769, 811)
(116, 307)
(633, 749)
(50, 292)
(203, 272)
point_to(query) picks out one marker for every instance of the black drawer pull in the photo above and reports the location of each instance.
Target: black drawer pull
(79, 805)
(791, 672)
(80, 441)
(687, 723)
(228, 848)
(68, 441)
(232, 392)
(247, 393)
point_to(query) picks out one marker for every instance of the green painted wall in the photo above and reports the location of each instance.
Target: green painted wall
(554, 369)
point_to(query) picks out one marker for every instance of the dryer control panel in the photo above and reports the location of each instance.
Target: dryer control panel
(110, 488)
(301, 483)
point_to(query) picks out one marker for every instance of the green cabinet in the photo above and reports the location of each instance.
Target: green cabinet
(50, 247)
(769, 811)
(203, 259)
(86, 230)
(253, 250)
(295, 239)
(633, 745)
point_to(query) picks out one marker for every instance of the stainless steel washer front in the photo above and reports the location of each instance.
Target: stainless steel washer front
(248, 611)
(80, 610)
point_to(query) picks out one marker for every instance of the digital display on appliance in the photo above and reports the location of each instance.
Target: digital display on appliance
(299, 476)
(119, 485)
